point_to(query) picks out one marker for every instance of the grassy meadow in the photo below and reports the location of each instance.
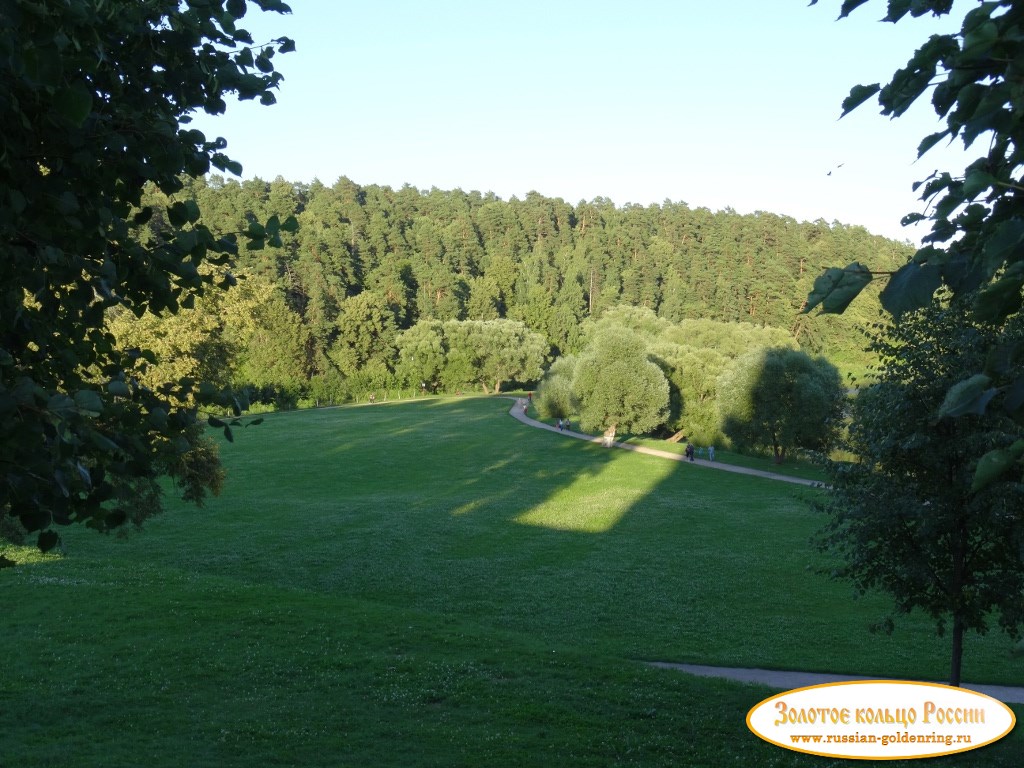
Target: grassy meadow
(433, 583)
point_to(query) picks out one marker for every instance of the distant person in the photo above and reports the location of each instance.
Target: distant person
(689, 451)
(559, 425)
(711, 453)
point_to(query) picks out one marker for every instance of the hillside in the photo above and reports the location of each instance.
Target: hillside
(368, 262)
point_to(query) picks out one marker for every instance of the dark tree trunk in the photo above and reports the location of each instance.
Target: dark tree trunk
(957, 592)
(957, 654)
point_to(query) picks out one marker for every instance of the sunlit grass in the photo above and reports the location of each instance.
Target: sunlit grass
(25, 555)
(371, 590)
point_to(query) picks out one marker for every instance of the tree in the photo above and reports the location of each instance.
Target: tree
(554, 398)
(422, 354)
(504, 350)
(976, 244)
(617, 386)
(366, 331)
(96, 97)
(781, 399)
(907, 517)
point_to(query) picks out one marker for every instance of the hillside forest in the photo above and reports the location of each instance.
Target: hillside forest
(321, 317)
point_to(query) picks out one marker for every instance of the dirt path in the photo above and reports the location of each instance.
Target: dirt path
(787, 680)
(518, 412)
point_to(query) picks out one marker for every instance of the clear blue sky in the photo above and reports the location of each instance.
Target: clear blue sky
(721, 104)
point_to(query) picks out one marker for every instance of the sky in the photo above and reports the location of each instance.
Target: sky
(726, 104)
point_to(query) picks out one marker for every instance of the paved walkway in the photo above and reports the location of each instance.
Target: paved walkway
(781, 679)
(519, 412)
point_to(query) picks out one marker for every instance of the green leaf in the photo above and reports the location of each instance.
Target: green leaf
(897, 10)
(228, 435)
(930, 141)
(255, 422)
(976, 182)
(119, 388)
(836, 288)
(1003, 298)
(213, 421)
(995, 464)
(244, 58)
(236, 8)
(158, 417)
(74, 103)
(103, 442)
(1003, 244)
(177, 214)
(89, 402)
(849, 6)
(968, 397)
(263, 64)
(60, 404)
(858, 95)
(47, 540)
(291, 224)
(912, 287)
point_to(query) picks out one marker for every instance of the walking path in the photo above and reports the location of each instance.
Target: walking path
(781, 679)
(786, 680)
(519, 413)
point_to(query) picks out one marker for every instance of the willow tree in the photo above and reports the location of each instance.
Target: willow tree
(617, 386)
(96, 99)
(781, 399)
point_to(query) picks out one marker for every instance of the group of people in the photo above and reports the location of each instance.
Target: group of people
(690, 451)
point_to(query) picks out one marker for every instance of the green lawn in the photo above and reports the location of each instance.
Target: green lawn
(436, 584)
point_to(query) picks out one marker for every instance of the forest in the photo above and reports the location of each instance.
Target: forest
(316, 315)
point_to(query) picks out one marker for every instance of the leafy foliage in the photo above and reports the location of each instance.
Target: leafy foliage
(781, 399)
(555, 398)
(459, 352)
(975, 244)
(95, 96)
(617, 386)
(908, 516)
(370, 262)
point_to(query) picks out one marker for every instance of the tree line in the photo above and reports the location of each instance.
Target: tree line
(367, 263)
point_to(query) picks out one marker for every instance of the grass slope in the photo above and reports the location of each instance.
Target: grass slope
(435, 584)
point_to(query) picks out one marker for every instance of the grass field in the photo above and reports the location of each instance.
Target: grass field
(436, 584)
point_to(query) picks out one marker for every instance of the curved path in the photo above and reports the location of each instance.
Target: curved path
(786, 680)
(518, 412)
(781, 679)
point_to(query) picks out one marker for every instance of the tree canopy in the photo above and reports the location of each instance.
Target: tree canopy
(906, 517)
(617, 386)
(580, 264)
(976, 245)
(96, 99)
(781, 399)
